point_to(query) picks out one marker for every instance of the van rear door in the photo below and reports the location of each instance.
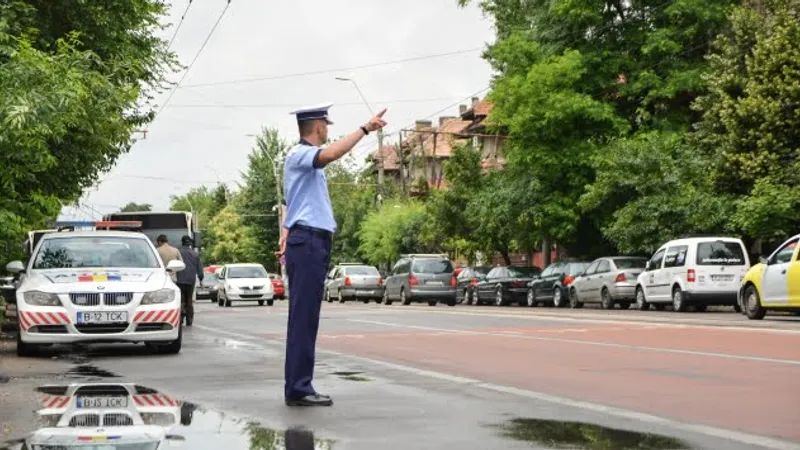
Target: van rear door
(720, 265)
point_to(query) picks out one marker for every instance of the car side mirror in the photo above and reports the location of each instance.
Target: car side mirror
(175, 266)
(763, 260)
(648, 266)
(15, 267)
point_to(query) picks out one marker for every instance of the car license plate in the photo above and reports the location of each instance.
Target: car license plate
(435, 283)
(722, 278)
(102, 402)
(102, 317)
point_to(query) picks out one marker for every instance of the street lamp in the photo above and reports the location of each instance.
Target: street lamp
(380, 133)
(279, 196)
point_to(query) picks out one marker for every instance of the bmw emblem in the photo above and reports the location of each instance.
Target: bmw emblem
(100, 288)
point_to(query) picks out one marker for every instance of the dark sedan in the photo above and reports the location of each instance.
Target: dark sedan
(551, 288)
(467, 279)
(505, 285)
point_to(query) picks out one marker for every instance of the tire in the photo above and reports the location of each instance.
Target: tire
(467, 297)
(386, 300)
(641, 301)
(261, 303)
(606, 302)
(174, 347)
(219, 301)
(738, 306)
(25, 350)
(403, 299)
(339, 296)
(753, 306)
(574, 302)
(531, 298)
(451, 302)
(499, 299)
(366, 301)
(432, 302)
(228, 303)
(379, 300)
(270, 302)
(678, 300)
(328, 296)
(558, 297)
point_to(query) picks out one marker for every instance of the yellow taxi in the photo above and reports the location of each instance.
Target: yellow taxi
(773, 283)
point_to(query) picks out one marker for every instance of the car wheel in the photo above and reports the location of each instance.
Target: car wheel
(531, 298)
(451, 301)
(558, 300)
(499, 299)
(678, 302)
(174, 347)
(574, 302)
(328, 296)
(403, 299)
(641, 302)
(270, 302)
(467, 297)
(432, 302)
(606, 302)
(228, 303)
(738, 306)
(386, 299)
(261, 303)
(753, 304)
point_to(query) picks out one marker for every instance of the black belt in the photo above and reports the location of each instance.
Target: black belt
(318, 231)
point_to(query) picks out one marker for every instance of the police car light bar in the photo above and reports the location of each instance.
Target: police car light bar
(98, 224)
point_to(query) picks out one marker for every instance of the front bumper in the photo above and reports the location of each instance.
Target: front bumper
(53, 325)
(249, 297)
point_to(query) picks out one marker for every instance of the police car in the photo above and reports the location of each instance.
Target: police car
(96, 286)
(105, 416)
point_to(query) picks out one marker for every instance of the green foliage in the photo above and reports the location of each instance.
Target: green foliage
(136, 207)
(233, 242)
(72, 80)
(392, 230)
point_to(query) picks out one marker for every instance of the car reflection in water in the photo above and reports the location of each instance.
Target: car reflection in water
(127, 416)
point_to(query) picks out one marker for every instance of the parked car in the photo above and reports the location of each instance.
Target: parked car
(244, 283)
(421, 277)
(209, 288)
(278, 286)
(608, 281)
(693, 271)
(466, 280)
(505, 285)
(774, 283)
(354, 282)
(551, 286)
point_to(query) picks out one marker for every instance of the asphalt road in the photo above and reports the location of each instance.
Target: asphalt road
(462, 377)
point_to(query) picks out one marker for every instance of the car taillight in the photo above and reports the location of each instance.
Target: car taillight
(620, 278)
(412, 280)
(690, 276)
(473, 281)
(347, 281)
(568, 280)
(380, 281)
(453, 281)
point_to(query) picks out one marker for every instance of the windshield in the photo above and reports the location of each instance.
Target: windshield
(95, 251)
(361, 270)
(576, 268)
(630, 263)
(720, 254)
(173, 235)
(524, 272)
(247, 272)
(432, 266)
(210, 278)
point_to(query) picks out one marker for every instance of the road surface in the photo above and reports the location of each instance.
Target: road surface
(471, 377)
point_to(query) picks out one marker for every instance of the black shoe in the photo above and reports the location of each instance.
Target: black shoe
(311, 400)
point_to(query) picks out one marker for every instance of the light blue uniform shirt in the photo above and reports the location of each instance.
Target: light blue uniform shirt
(306, 189)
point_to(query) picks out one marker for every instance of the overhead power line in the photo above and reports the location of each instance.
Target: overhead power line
(338, 69)
(196, 56)
(295, 105)
(183, 16)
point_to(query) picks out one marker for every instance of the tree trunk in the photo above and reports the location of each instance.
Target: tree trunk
(546, 252)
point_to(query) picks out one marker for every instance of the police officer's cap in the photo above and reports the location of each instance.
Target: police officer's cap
(316, 112)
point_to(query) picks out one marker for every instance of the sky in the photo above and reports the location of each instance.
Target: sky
(418, 58)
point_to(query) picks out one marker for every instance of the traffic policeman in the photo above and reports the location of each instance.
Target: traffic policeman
(307, 247)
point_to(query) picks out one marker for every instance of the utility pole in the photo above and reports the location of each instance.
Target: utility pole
(380, 160)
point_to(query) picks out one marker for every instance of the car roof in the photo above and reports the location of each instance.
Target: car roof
(696, 239)
(94, 233)
(244, 265)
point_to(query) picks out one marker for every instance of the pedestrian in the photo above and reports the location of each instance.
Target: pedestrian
(167, 253)
(188, 277)
(310, 224)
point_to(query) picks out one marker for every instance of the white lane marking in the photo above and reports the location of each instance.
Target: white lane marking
(790, 362)
(746, 438)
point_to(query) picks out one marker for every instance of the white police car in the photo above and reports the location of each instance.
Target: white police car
(96, 286)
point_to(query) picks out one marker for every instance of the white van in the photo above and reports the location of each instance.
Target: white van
(693, 271)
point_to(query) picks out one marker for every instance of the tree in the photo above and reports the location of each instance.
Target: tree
(259, 198)
(71, 78)
(201, 200)
(233, 241)
(750, 117)
(136, 207)
(392, 230)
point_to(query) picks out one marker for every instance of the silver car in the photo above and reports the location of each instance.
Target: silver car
(354, 282)
(608, 281)
(421, 277)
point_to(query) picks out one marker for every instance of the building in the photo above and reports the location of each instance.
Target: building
(488, 143)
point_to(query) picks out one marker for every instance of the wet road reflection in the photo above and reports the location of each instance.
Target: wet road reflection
(107, 415)
(577, 435)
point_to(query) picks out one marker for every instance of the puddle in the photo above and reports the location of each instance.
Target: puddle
(123, 415)
(88, 370)
(577, 435)
(355, 378)
(346, 374)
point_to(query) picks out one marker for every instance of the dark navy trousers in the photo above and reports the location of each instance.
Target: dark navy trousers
(307, 258)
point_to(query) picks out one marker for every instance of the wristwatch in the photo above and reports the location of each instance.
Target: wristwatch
(364, 129)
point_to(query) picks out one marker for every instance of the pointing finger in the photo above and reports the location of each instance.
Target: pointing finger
(380, 114)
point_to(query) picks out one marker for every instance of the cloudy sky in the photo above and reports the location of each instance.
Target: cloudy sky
(415, 57)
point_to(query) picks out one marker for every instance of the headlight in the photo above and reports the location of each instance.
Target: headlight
(161, 419)
(162, 296)
(41, 298)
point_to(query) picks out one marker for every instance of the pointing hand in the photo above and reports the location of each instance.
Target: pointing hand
(377, 122)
